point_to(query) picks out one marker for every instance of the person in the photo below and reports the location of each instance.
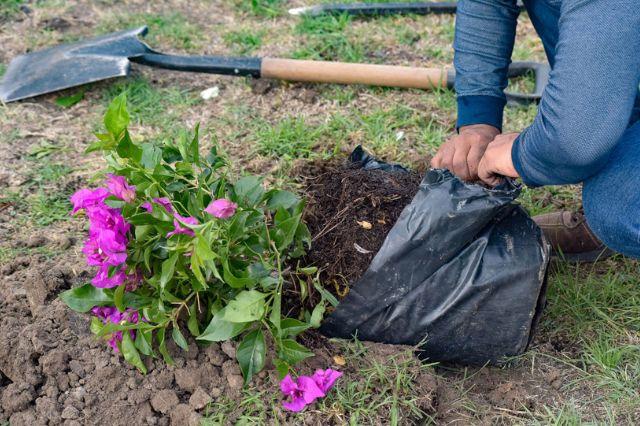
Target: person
(586, 129)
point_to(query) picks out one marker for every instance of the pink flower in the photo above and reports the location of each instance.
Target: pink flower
(179, 229)
(164, 202)
(221, 208)
(147, 206)
(110, 314)
(119, 188)
(302, 392)
(105, 217)
(325, 378)
(86, 198)
(103, 280)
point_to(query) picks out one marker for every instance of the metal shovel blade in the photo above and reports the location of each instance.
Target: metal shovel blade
(73, 64)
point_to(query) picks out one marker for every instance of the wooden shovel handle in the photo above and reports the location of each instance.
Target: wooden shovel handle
(350, 73)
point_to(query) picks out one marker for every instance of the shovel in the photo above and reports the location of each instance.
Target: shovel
(110, 55)
(380, 9)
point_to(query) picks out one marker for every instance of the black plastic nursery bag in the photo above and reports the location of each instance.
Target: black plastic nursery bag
(463, 271)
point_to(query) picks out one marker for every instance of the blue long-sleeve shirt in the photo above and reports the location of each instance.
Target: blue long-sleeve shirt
(593, 48)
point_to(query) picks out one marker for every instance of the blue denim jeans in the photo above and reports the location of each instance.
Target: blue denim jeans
(587, 128)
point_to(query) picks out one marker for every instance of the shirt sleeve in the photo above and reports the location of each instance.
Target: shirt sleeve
(483, 43)
(587, 103)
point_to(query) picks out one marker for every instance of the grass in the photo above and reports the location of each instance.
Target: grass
(151, 105)
(253, 408)
(9, 8)
(385, 390)
(598, 309)
(260, 8)
(166, 31)
(289, 139)
(327, 38)
(244, 41)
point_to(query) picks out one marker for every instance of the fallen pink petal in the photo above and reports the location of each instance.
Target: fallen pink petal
(326, 378)
(305, 390)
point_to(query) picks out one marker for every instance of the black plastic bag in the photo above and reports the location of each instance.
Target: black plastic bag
(462, 272)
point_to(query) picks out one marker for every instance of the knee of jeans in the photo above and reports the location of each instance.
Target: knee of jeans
(607, 216)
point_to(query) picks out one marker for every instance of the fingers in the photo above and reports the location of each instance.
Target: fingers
(487, 173)
(459, 162)
(444, 157)
(473, 160)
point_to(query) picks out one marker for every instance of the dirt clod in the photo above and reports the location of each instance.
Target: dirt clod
(187, 379)
(164, 401)
(185, 415)
(199, 399)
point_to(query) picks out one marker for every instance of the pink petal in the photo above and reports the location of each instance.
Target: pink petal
(326, 378)
(221, 208)
(287, 385)
(310, 390)
(164, 202)
(296, 405)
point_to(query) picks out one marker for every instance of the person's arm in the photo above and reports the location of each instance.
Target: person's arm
(586, 106)
(484, 37)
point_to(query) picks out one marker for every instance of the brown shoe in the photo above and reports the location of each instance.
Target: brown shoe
(570, 237)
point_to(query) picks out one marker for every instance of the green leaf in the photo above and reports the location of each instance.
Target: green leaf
(282, 199)
(127, 149)
(251, 354)
(281, 367)
(82, 299)
(317, 314)
(325, 294)
(96, 325)
(286, 231)
(203, 248)
(151, 156)
(249, 190)
(246, 307)
(192, 323)
(276, 314)
(232, 279)
(143, 341)
(162, 346)
(311, 270)
(136, 301)
(293, 352)
(177, 336)
(69, 101)
(118, 297)
(131, 354)
(220, 329)
(292, 327)
(194, 148)
(168, 268)
(116, 119)
(200, 283)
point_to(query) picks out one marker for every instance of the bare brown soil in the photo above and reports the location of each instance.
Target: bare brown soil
(349, 213)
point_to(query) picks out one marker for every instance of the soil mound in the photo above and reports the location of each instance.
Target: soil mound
(349, 213)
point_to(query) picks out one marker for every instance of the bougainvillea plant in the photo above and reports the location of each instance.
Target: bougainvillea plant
(179, 246)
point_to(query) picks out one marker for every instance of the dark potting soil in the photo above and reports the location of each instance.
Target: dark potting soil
(349, 213)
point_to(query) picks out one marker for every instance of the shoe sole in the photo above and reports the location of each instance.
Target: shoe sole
(585, 257)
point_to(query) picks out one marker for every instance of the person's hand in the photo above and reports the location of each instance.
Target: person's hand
(496, 162)
(461, 154)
